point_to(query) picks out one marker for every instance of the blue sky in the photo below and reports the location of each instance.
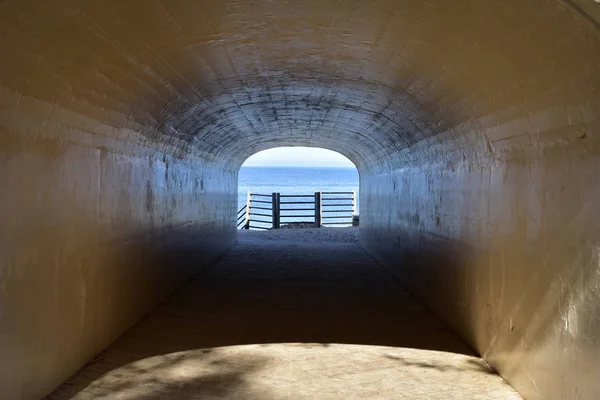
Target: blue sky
(298, 157)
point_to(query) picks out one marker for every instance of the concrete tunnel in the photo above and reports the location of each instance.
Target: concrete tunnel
(475, 127)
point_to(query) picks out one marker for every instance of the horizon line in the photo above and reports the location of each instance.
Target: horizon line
(298, 166)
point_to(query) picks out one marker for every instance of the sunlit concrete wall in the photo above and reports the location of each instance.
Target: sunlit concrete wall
(508, 253)
(494, 224)
(474, 126)
(95, 232)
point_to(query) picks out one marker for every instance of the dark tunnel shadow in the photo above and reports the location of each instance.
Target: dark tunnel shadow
(278, 297)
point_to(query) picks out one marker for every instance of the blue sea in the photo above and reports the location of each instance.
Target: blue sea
(298, 181)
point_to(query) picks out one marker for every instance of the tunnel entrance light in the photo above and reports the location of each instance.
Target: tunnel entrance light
(321, 209)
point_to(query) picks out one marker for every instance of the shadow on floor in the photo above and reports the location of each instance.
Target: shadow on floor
(316, 295)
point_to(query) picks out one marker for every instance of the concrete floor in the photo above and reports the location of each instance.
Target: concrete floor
(297, 314)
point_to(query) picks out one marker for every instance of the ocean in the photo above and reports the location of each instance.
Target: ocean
(296, 180)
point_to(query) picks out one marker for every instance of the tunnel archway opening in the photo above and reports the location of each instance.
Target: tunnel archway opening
(297, 186)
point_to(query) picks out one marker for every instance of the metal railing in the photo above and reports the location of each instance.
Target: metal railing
(242, 217)
(331, 202)
(320, 208)
(258, 208)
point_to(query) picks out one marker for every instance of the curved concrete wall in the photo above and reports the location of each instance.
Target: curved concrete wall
(95, 232)
(474, 127)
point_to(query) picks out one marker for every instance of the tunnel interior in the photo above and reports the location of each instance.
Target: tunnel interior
(474, 127)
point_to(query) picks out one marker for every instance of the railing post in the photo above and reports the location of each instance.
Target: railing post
(354, 202)
(318, 216)
(248, 205)
(275, 208)
(278, 210)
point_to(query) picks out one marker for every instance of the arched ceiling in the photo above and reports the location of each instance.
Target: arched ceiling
(370, 79)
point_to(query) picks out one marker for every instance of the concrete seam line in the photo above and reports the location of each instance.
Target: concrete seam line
(595, 23)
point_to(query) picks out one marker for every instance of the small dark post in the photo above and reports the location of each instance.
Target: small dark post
(278, 198)
(248, 210)
(318, 209)
(275, 209)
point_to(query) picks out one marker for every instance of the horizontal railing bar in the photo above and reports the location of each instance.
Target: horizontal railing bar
(337, 223)
(336, 205)
(298, 209)
(335, 211)
(337, 217)
(296, 216)
(337, 192)
(260, 208)
(259, 227)
(261, 215)
(297, 195)
(336, 198)
(260, 201)
(254, 219)
(242, 209)
(297, 202)
(261, 195)
(241, 217)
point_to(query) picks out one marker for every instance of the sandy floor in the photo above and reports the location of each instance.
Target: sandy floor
(289, 315)
(321, 235)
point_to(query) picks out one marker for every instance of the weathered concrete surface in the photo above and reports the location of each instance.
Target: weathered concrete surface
(509, 255)
(303, 314)
(95, 233)
(474, 126)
